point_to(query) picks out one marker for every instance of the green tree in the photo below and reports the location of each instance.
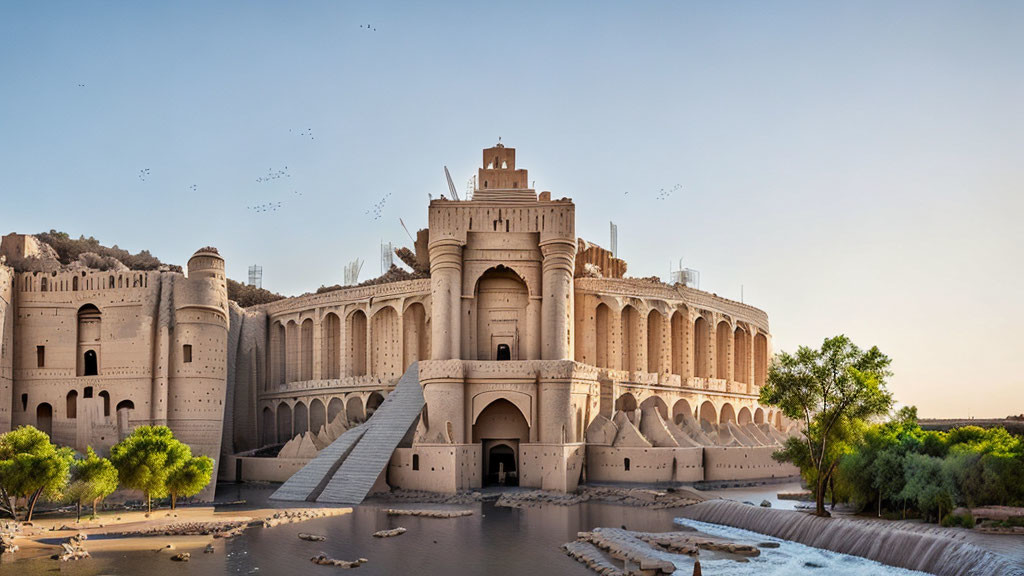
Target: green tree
(92, 479)
(830, 390)
(31, 467)
(927, 485)
(146, 458)
(190, 478)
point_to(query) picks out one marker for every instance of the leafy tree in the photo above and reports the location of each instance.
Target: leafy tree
(831, 390)
(31, 467)
(146, 458)
(927, 485)
(190, 478)
(92, 479)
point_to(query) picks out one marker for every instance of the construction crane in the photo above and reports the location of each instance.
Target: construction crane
(451, 185)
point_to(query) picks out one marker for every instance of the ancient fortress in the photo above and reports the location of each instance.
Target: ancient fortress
(539, 362)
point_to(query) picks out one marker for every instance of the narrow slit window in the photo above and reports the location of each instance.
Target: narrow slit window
(186, 353)
(40, 356)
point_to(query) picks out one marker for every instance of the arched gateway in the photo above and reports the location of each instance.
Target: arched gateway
(499, 429)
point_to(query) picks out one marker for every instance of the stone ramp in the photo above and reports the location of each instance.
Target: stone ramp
(345, 471)
(370, 456)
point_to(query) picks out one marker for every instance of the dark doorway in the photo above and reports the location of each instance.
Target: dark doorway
(44, 418)
(90, 363)
(501, 466)
(504, 352)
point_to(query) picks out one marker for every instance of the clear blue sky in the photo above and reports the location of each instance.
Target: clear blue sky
(857, 166)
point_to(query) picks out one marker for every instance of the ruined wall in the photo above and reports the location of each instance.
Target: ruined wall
(744, 463)
(608, 464)
(247, 340)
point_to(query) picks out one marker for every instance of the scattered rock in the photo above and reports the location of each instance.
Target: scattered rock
(389, 533)
(430, 513)
(766, 504)
(312, 537)
(209, 549)
(181, 557)
(768, 545)
(73, 549)
(324, 560)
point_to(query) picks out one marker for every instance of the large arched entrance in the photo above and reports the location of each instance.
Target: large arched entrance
(499, 429)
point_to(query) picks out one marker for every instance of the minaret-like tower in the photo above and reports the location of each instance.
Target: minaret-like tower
(198, 356)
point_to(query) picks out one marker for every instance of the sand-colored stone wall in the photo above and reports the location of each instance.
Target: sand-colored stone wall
(744, 463)
(445, 468)
(646, 465)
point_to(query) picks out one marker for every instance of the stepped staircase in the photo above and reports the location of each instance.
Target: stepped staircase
(345, 471)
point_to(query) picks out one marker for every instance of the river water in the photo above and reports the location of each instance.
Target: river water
(493, 541)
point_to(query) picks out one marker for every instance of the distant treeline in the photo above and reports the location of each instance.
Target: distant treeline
(69, 249)
(246, 295)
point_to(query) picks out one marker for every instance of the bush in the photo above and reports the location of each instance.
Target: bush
(965, 520)
(245, 295)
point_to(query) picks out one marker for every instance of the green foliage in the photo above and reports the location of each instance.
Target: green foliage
(965, 520)
(92, 479)
(31, 467)
(833, 391)
(147, 458)
(898, 465)
(190, 478)
(245, 295)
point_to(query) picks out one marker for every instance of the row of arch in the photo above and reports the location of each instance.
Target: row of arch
(706, 411)
(287, 419)
(91, 282)
(384, 344)
(678, 345)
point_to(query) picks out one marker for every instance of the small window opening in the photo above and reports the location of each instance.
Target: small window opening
(24, 402)
(504, 352)
(625, 462)
(415, 461)
(87, 393)
(40, 356)
(186, 352)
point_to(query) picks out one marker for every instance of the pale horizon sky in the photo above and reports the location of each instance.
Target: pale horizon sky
(855, 167)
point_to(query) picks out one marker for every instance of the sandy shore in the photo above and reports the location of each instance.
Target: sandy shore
(185, 529)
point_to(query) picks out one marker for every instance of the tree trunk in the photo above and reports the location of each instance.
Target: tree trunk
(94, 506)
(832, 490)
(879, 502)
(149, 504)
(79, 508)
(819, 498)
(32, 504)
(174, 500)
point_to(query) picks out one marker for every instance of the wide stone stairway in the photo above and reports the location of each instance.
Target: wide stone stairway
(345, 471)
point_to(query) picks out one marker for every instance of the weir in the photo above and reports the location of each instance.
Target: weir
(925, 548)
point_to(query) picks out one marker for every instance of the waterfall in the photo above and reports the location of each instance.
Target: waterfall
(925, 548)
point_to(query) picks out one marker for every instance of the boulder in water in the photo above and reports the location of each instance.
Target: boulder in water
(766, 504)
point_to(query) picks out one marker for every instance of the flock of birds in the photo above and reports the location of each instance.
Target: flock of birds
(268, 207)
(377, 210)
(307, 133)
(663, 194)
(143, 174)
(368, 28)
(274, 175)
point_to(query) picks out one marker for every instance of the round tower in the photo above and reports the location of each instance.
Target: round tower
(198, 355)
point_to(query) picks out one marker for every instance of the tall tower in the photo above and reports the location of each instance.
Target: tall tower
(198, 356)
